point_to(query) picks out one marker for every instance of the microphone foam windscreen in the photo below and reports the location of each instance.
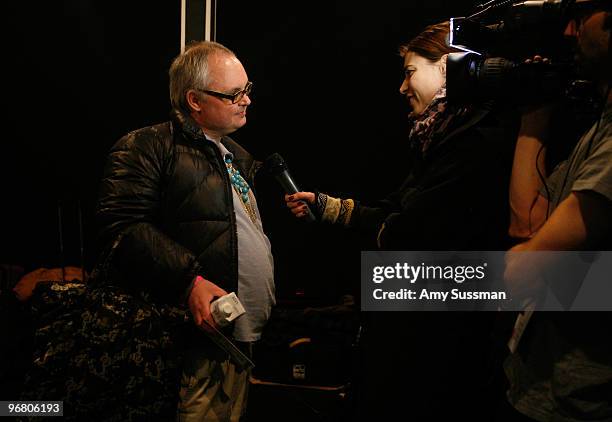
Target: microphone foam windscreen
(275, 164)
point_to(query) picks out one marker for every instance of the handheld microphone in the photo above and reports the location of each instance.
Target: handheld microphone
(275, 165)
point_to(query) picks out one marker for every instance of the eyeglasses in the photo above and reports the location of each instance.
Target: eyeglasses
(234, 98)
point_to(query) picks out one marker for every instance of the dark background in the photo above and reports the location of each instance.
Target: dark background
(80, 74)
(77, 76)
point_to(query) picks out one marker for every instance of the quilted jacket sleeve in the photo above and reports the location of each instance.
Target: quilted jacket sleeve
(128, 214)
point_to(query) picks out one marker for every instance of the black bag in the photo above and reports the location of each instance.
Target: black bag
(311, 346)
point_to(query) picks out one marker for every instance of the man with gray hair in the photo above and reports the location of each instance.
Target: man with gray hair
(177, 211)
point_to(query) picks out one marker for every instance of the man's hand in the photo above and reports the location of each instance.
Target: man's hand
(201, 295)
(297, 203)
(537, 59)
(535, 118)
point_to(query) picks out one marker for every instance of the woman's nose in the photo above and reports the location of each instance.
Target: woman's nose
(404, 86)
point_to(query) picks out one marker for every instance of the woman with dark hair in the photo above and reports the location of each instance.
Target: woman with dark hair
(454, 197)
(455, 194)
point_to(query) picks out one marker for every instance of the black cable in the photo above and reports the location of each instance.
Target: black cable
(543, 180)
(488, 6)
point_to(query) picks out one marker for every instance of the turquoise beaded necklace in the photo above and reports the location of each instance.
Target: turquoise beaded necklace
(237, 180)
(241, 187)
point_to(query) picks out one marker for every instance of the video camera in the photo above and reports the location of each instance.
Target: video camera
(496, 40)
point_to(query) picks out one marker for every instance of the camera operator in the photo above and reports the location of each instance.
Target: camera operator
(562, 368)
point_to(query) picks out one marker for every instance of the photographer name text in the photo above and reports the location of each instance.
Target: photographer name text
(412, 274)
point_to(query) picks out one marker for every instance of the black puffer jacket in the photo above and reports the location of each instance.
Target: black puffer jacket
(166, 213)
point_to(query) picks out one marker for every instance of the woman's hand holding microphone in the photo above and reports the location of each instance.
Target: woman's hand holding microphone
(298, 201)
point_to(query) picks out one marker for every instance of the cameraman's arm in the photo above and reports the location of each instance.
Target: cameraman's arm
(579, 222)
(527, 206)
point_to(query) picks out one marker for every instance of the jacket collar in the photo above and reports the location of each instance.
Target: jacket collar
(187, 125)
(477, 114)
(242, 159)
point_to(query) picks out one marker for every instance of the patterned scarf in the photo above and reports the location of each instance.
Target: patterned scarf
(430, 125)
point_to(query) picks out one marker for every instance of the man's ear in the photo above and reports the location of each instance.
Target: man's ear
(193, 101)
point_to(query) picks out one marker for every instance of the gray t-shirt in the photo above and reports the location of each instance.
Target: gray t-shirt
(589, 168)
(255, 270)
(562, 369)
